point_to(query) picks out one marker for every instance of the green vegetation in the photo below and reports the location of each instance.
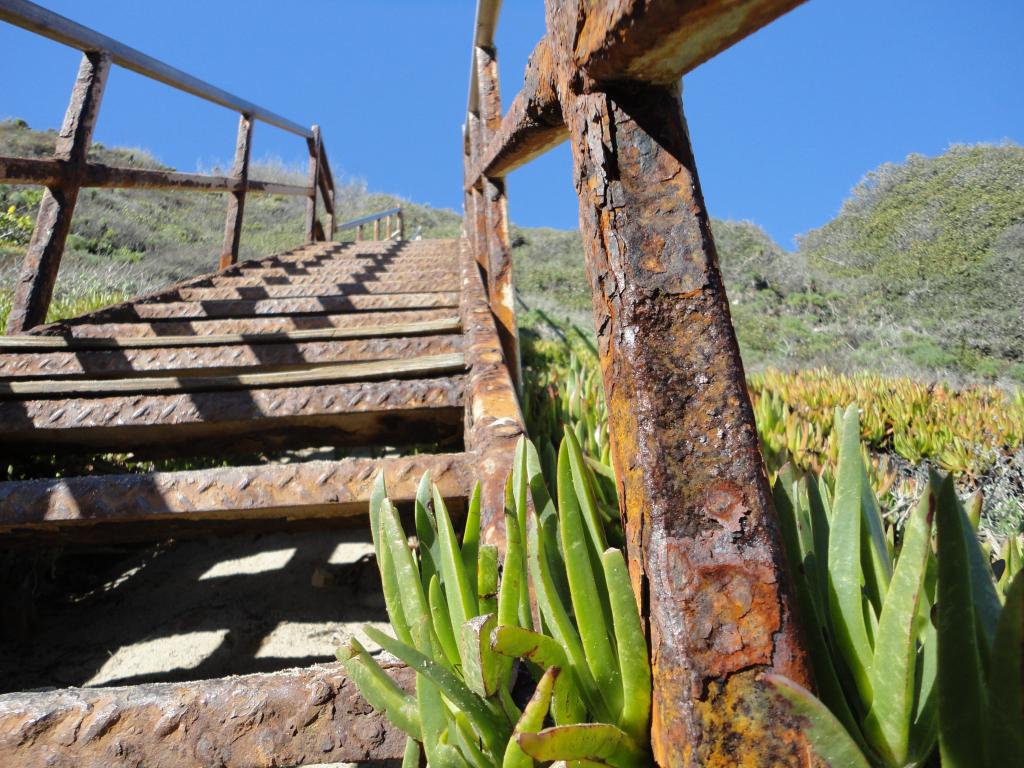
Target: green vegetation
(126, 242)
(921, 273)
(911, 646)
(461, 628)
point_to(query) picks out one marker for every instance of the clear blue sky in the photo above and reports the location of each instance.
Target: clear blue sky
(783, 124)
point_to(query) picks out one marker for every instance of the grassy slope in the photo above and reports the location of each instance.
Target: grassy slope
(922, 272)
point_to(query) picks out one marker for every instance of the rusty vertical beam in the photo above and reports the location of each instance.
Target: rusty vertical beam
(401, 225)
(499, 251)
(376, 229)
(494, 421)
(314, 176)
(704, 549)
(53, 222)
(236, 203)
(359, 233)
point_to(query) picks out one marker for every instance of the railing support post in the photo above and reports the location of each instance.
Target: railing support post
(401, 225)
(705, 554)
(376, 229)
(498, 248)
(236, 203)
(314, 176)
(53, 222)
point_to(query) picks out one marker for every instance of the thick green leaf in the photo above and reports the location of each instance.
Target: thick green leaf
(414, 602)
(440, 754)
(442, 622)
(487, 579)
(379, 690)
(557, 619)
(471, 536)
(580, 475)
(512, 577)
(1006, 682)
(426, 530)
(813, 614)
(411, 757)
(480, 664)
(596, 742)
(830, 740)
(892, 671)
(458, 590)
(486, 720)
(519, 643)
(846, 578)
(585, 587)
(532, 720)
(963, 694)
(468, 742)
(548, 516)
(877, 564)
(634, 665)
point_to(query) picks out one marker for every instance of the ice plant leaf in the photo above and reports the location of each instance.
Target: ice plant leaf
(1006, 681)
(461, 595)
(379, 689)
(831, 743)
(963, 695)
(893, 669)
(634, 665)
(596, 742)
(471, 536)
(585, 587)
(532, 720)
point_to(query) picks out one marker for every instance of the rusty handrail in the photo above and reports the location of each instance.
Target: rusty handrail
(42, 21)
(386, 216)
(69, 170)
(701, 535)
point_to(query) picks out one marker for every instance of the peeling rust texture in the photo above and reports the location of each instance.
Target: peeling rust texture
(660, 41)
(298, 716)
(220, 360)
(247, 418)
(494, 422)
(705, 553)
(300, 490)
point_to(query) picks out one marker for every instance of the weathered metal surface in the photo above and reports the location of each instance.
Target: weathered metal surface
(53, 220)
(236, 202)
(605, 41)
(248, 308)
(297, 716)
(216, 381)
(50, 173)
(705, 553)
(499, 256)
(88, 327)
(313, 144)
(295, 490)
(532, 126)
(250, 419)
(222, 359)
(493, 420)
(659, 42)
(42, 343)
(359, 285)
(367, 274)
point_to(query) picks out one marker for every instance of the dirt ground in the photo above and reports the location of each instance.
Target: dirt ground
(196, 609)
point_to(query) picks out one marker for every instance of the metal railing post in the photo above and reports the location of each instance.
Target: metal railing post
(496, 246)
(314, 176)
(236, 202)
(53, 222)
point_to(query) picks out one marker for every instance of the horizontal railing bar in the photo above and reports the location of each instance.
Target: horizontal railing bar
(34, 18)
(55, 173)
(368, 219)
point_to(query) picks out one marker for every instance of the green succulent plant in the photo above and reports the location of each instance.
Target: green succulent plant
(468, 633)
(911, 647)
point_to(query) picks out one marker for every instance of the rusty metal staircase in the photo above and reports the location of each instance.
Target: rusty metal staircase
(397, 347)
(355, 345)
